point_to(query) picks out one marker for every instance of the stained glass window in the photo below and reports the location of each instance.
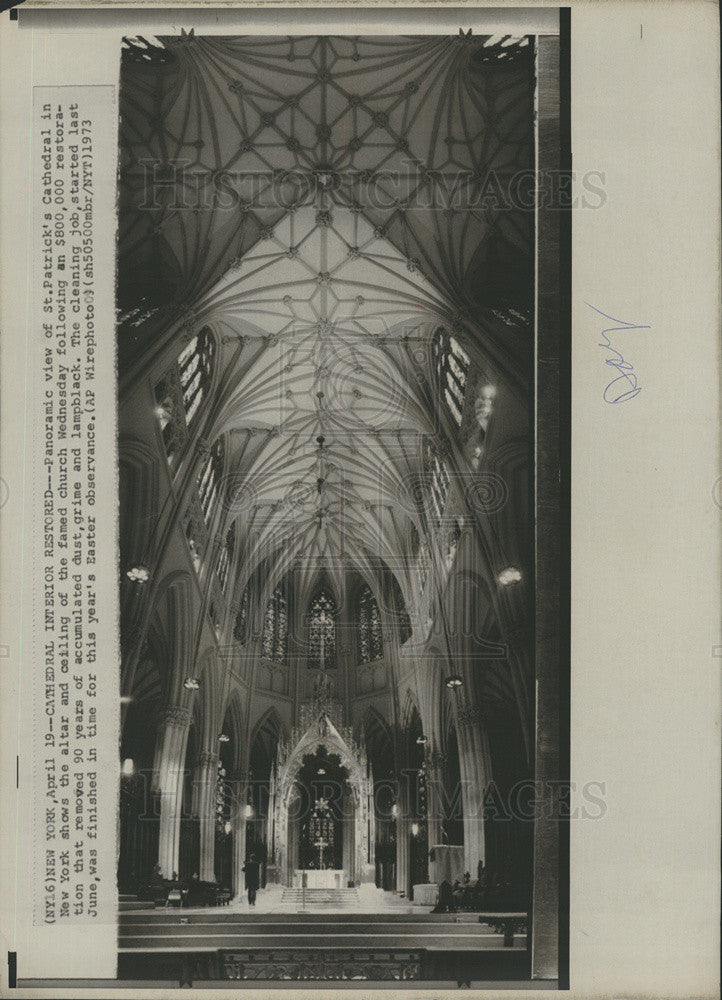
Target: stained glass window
(402, 616)
(322, 633)
(275, 627)
(209, 480)
(452, 543)
(194, 537)
(321, 827)
(452, 369)
(439, 480)
(423, 563)
(195, 368)
(181, 391)
(149, 50)
(369, 628)
(225, 556)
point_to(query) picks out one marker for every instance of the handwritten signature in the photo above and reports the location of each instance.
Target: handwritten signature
(629, 387)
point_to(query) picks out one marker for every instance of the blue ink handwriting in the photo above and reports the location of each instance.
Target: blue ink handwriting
(625, 385)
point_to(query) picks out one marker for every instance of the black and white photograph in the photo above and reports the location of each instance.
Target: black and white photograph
(339, 413)
(361, 592)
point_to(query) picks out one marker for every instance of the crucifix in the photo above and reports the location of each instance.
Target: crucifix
(320, 844)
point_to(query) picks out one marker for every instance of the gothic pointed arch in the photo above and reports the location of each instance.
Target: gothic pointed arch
(138, 481)
(375, 734)
(269, 728)
(170, 620)
(231, 749)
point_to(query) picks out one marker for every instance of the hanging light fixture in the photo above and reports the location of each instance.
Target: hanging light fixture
(138, 574)
(422, 739)
(191, 684)
(414, 829)
(224, 738)
(128, 768)
(508, 576)
(454, 682)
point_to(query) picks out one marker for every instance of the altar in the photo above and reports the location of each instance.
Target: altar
(327, 878)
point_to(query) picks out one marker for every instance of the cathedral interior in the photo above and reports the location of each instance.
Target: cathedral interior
(327, 439)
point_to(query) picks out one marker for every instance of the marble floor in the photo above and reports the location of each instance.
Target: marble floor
(362, 899)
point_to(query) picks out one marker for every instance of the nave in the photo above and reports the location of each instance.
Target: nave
(326, 430)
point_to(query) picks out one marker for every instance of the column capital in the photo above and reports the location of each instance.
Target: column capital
(208, 758)
(176, 715)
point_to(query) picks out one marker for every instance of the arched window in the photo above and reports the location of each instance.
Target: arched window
(195, 535)
(209, 480)
(423, 563)
(275, 627)
(182, 390)
(195, 368)
(215, 620)
(148, 50)
(240, 627)
(402, 616)
(452, 543)
(484, 406)
(322, 632)
(225, 556)
(452, 370)
(439, 480)
(369, 628)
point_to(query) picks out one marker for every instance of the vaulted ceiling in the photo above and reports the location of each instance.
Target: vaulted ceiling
(327, 203)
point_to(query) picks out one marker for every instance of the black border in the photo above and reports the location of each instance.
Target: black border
(565, 479)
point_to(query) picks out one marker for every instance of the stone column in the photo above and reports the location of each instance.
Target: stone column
(271, 817)
(403, 825)
(474, 762)
(435, 795)
(350, 838)
(371, 859)
(292, 834)
(281, 837)
(170, 763)
(237, 788)
(206, 784)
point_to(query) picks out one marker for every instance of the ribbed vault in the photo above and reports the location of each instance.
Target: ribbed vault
(323, 201)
